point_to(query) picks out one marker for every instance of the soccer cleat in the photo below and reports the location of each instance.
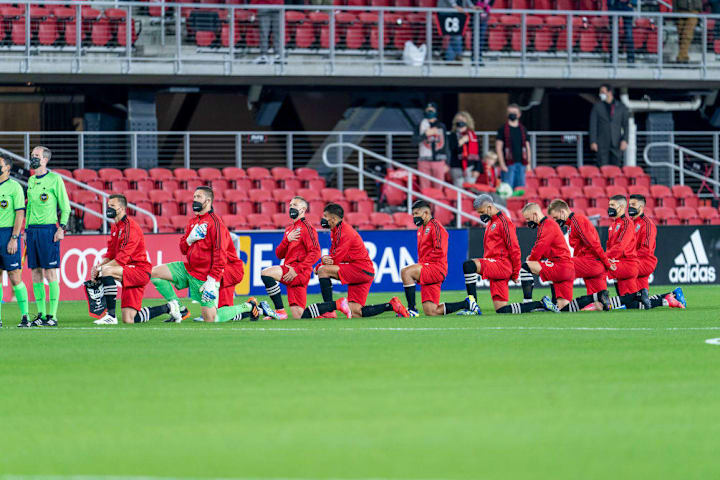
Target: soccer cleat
(549, 305)
(328, 315)
(413, 313)
(24, 323)
(198, 319)
(589, 308)
(604, 299)
(175, 316)
(473, 306)
(673, 302)
(268, 311)
(464, 312)
(680, 296)
(279, 314)
(37, 321)
(398, 307)
(645, 298)
(255, 312)
(49, 321)
(342, 305)
(184, 312)
(106, 320)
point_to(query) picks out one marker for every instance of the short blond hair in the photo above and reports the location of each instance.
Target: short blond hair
(531, 206)
(490, 155)
(558, 204)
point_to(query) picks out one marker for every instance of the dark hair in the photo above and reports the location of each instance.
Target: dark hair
(607, 86)
(638, 197)
(120, 197)
(6, 160)
(208, 191)
(420, 204)
(334, 209)
(431, 104)
(619, 198)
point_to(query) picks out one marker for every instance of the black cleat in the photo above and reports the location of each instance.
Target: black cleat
(645, 298)
(24, 323)
(255, 312)
(604, 299)
(49, 321)
(37, 321)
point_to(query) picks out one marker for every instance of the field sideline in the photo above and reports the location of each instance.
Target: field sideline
(625, 394)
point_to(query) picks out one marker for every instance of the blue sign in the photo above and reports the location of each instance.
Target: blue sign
(390, 251)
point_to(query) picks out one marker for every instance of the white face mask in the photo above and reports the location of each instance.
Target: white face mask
(603, 97)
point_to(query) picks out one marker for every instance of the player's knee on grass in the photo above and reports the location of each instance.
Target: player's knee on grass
(356, 309)
(562, 303)
(498, 304)
(209, 314)
(431, 309)
(128, 315)
(296, 311)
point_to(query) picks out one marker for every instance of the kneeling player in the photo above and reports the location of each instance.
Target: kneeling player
(301, 250)
(431, 269)
(126, 262)
(350, 263)
(500, 263)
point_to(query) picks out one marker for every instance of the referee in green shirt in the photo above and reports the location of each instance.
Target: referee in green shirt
(46, 195)
(12, 217)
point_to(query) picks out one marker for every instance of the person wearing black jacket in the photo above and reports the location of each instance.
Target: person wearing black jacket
(608, 128)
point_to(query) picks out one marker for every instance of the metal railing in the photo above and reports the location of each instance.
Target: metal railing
(680, 167)
(408, 188)
(164, 38)
(96, 150)
(103, 195)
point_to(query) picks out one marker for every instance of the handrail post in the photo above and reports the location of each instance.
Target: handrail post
(104, 209)
(26, 145)
(133, 150)
(428, 38)
(681, 162)
(178, 39)
(340, 172)
(332, 41)
(128, 37)
(533, 150)
(361, 166)
(238, 150)
(381, 39)
(81, 150)
(289, 151)
(410, 192)
(715, 165)
(458, 206)
(580, 152)
(186, 150)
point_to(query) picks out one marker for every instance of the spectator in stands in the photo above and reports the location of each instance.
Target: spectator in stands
(463, 147)
(484, 6)
(513, 148)
(686, 26)
(627, 22)
(269, 24)
(608, 128)
(455, 44)
(485, 173)
(432, 146)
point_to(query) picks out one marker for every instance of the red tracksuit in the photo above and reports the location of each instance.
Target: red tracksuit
(552, 252)
(348, 251)
(645, 236)
(621, 247)
(301, 254)
(206, 257)
(432, 244)
(591, 263)
(232, 275)
(126, 245)
(501, 260)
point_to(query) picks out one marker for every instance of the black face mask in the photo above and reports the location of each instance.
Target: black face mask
(612, 212)
(197, 206)
(418, 221)
(294, 213)
(461, 124)
(512, 117)
(110, 212)
(324, 223)
(561, 223)
(485, 218)
(34, 162)
(633, 212)
(531, 224)
(430, 114)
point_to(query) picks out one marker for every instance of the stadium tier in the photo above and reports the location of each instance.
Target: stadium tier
(257, 198)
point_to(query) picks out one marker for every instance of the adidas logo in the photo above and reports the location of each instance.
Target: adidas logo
(692, 263)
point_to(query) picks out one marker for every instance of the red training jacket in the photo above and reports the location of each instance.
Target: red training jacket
(126, 244)
(500, 241)
(645, 237)
(234, 268)
(347, 247)
(621, 239)
(584, 238)
(304, 252)
(550, 243)
(432, 244)
(206, 257)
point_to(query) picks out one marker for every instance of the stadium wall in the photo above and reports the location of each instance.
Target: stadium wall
(686, 254)
(390, 250)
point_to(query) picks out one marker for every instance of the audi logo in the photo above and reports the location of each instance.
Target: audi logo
(82, 266)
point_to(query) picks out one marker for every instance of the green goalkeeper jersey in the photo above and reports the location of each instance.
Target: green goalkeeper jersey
(12, 199)
(46, 195)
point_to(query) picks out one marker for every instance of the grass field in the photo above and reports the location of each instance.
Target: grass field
(624, 394)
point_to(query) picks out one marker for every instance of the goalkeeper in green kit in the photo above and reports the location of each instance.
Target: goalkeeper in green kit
(46, 195)
(12, 216)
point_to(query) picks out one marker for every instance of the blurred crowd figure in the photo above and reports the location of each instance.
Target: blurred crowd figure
(608, 128)
(432, 145)
(464, 149)
(686, 26)
(512, 147)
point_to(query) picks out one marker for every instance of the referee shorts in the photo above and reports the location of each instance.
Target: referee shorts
(42, 251)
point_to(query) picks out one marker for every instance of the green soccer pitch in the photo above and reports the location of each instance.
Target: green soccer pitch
(622, 394)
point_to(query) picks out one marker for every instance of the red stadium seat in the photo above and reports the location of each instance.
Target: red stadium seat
(355, 195)
(358, 220)
(665, 216)
(119, 185)
(269, 208)
(178, 222)
(85, 175)
(281, 173)
(159, 196)
(221, 207)
(381, 219)
(613, 190)
(316, 183)
(260, 222)
(283, 196)
(232, 173)
(161, 174)
(83, 196)
(182, 195)
(242, 208)
(281, 220)
(306, 173)
(331, 195)
(292, 184)
(597, 196)
(184, 174)
(404, 220)
(257, 173)
(663, 196)
(168, 208)
(592, 175)
(48, 31)
(443, 215)
(101, 33)
(136, 174)
(135, 196)
(548, 194)
(570, 176)
(209, 173)
(309, 195)
(708, 215)
(685, 196)
(259, 195)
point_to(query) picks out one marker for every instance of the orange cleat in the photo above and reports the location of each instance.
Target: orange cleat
(673, 302)
(342, 305)
(328, 315)
(398, 307)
